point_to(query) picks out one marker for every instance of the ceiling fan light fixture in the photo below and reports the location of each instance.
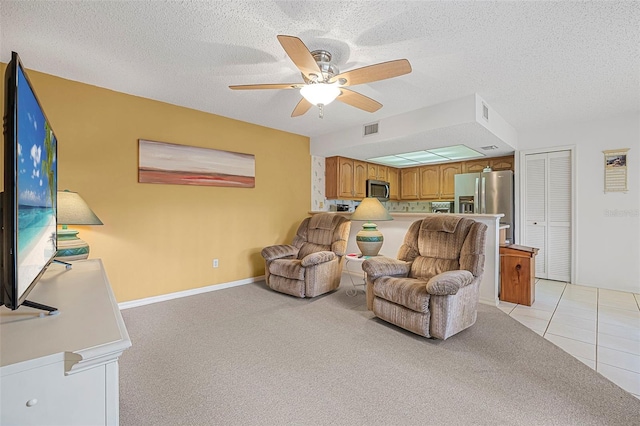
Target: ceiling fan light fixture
(324, 83)
(320, 93)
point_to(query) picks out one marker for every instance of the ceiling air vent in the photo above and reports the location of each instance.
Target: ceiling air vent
(485, 111)
(489, 147)
(370, 129)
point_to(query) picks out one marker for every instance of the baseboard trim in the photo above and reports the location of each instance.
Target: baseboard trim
(494, 302)
(185, 293)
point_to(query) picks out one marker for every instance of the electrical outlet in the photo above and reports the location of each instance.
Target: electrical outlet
(215, 263)
(321, 204)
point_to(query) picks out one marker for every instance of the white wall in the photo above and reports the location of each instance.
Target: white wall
(608, 225)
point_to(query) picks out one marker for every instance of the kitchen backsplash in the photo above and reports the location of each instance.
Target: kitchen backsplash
(392, 206)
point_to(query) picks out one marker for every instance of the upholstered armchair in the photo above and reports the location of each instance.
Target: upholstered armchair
(312, 264)
(432, 289)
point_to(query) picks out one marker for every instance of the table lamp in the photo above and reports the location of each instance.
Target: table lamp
(369, 239)
(73, 210)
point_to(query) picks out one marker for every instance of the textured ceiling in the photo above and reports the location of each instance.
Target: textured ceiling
(535, 63)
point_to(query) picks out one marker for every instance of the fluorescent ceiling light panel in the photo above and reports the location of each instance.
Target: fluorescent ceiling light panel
(394, 160)
(436, 155)
(422, 156)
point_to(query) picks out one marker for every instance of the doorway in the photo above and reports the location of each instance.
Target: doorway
(547, 210)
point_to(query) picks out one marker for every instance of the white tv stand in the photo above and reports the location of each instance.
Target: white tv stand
(63, 369)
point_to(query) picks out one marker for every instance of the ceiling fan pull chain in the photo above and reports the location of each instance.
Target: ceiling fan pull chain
(321, 107)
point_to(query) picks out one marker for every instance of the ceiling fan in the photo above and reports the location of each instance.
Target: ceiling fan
(323, 83)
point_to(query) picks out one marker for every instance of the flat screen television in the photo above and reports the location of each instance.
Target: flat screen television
(29, 225)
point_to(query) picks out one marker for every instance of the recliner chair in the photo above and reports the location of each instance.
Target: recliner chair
(432, 289)
(312, 264)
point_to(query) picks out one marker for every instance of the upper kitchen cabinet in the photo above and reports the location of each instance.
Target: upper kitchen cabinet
(437, 182)
(377, 172)
(383, 172)
(475, 166)
(345, 178)
(429, 182)
(372, 170)
(496, 164)
(447, 180)
(502, 163)
(359, 179)
(393, 177)
(409, 184)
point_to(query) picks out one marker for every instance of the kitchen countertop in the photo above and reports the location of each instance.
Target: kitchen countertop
(420, 214)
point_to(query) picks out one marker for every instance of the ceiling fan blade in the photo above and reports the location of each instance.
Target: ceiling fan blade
(302, 107)
(267, 86)
(375, 72)
(300, 55)
(359, 101)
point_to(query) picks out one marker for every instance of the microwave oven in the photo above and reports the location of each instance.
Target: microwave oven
(378, 189)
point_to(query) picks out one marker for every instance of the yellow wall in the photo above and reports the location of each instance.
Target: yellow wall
(159, 239)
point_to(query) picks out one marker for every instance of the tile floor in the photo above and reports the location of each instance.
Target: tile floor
(599, 327)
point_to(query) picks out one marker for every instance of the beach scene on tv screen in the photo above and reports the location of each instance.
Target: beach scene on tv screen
(36, 148)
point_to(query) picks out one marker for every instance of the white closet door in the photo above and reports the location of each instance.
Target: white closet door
(559, 217)
(535, 209)
(547, 213)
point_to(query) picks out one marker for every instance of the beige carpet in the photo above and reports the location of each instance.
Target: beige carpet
(250, 356)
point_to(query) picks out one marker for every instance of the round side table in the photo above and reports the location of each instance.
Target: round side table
(358, 259)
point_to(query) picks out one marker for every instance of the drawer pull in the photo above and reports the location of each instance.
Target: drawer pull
(32, 402)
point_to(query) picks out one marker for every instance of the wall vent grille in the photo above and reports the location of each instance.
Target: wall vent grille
(485, 111)
(370, 129)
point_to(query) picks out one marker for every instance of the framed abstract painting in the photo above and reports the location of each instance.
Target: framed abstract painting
(160, 162)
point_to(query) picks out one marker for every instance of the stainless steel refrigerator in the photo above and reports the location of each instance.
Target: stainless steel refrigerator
(487, 192)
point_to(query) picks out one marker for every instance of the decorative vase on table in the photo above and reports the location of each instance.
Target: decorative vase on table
(70, 247)
(369, 239)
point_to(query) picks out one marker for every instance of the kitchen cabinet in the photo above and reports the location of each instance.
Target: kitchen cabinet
(393, 177)
(429, 182)
(447, 180)
(437, 182)
(372, 171)
(496, 164)
(345, 178)
(475, 166)
(382, 173)
(359, 179)
(377, 172)
(502, 163)
(409, 183)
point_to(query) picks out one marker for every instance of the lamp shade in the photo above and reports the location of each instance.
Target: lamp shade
(371, 209)
(369, 239)
(73, 210)
(320, 93)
